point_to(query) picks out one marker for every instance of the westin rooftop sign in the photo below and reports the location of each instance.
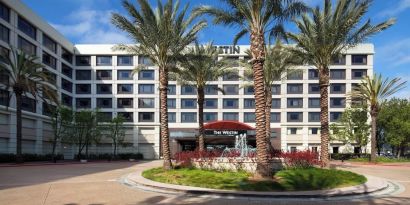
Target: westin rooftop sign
(229, 49)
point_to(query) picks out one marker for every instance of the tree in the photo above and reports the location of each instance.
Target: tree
(375, 90)
(161, 35)
(61, 120)
(198, 67)
(324, 35)
(394, 120)
(256, 17)
(25, 77)
(115, 130)
(352, 127)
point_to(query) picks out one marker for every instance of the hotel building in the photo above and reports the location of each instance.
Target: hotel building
(94, 76)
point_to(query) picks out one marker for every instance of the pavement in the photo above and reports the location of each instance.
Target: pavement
(106, 183)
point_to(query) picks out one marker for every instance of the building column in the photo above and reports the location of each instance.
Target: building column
(39, 137)
(12, 131)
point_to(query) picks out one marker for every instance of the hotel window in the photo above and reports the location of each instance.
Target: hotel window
(335, 150)
(295, 116)
(275, 103)
(49, 60)
(146, 103)
(146, 75)
(124, 61)
(337, 102)
(295, 102)
(230, 103)
(275, 117)
(146, 89)
(295, 88)
(4, 34)
(26, 27)
(338, 74)
(337, 88)
(172, 89)
(83, 102)
(4, 12)
(172, 117)
(231, 76)
(83, 74)
(313, 74)
(358, 73)
(66, 55)
(249, 117)
(83, 89)
(188, 103)
(4, 77)
(26, 46)
(359, 59)
(292, 131)
(104, 89)
(293, 149)
(104, 60)
(28, 104)
(314, 88)
(104, 102)
(230, 116)
(314, 131)
(211, 103)
(66, 70)
(49, 43)
(249, 103)
(128, 116)
(341, 60)
(124, 75)
(188, 90)
(211, 90)
(314, 116)
(275, 89)
(210, 116)
(296, 75)
(51, 77)
(124, 89)
(335, 116)
(103, 75)
(171, 103)
(4, 52)
(144, 60)
(48, 109)
(188, 117)
(83, 60)
(104, 116)
(248, 90)
(231, 89)
(4, 97)
(125, 103)
(66, 100)
(314, 102)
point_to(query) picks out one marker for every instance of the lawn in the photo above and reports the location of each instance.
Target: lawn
(285, 180)
(381, 160)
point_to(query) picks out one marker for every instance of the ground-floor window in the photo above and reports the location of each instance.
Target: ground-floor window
(335, 149)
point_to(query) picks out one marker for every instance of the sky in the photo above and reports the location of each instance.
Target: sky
(88, 22)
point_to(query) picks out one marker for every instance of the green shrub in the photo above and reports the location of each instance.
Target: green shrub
(347, 156)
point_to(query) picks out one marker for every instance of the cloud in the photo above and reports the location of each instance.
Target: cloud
(91, 26)
(395, 53)
(396, 9)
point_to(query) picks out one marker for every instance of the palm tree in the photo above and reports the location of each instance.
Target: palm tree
(375, 91)
(199, 66)
(256, 17)
(25, 77)
(324, 36)
(161, 34)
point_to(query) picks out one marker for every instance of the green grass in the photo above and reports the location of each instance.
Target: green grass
(285, 180)
(381, 160)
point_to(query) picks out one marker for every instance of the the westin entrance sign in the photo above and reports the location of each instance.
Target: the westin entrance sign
(224, 132)
(228, 49)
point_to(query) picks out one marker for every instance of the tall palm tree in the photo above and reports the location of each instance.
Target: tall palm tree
(198, 67)
(375, 91)
(256, 17)
(161, 34)
(25, 77)
(324, 36)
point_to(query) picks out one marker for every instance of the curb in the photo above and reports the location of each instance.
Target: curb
(373, 184)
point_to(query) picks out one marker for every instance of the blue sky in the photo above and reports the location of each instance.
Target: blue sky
(88, 21)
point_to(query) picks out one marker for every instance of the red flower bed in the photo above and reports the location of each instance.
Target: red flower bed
(300, 159)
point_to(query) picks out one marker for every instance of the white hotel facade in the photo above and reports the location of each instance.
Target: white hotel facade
(94, 76)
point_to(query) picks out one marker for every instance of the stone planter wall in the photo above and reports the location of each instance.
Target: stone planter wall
(234, 164)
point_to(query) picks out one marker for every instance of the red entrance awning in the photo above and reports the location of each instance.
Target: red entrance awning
(227, 125)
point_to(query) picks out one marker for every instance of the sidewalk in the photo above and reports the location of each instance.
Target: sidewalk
(373, 184)
(390, 164)
(60, 162)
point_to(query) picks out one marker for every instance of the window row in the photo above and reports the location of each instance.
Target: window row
(121, 75)
(107, 88)
(125, 60)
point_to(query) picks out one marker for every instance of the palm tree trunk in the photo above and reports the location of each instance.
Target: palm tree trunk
(19, 157)
(163, 94)
(324, 115)
(201, 138)
(373, 115)
(268, 93)
(263, 167)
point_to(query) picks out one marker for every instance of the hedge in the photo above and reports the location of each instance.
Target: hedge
(347, 156)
